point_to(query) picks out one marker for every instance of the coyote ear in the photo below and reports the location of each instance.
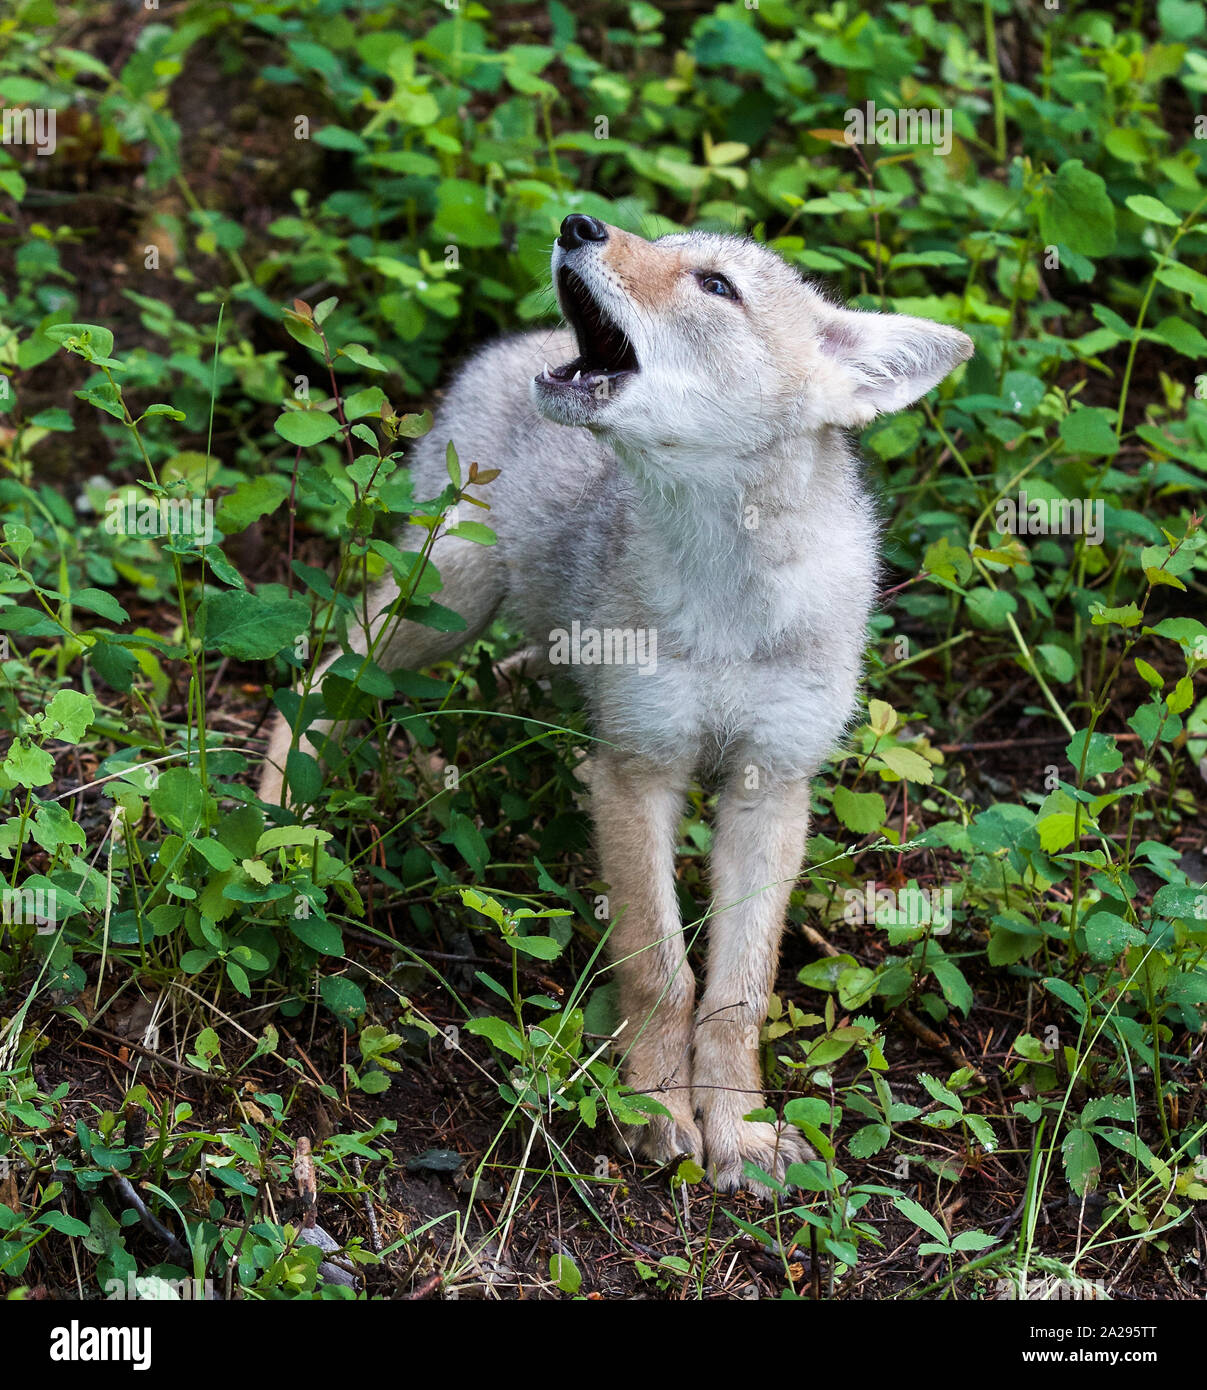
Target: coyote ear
(884, 362)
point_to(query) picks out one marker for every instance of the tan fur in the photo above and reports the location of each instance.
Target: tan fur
(757, 850)
(650, 275)
(637, 810)
(702, 1064)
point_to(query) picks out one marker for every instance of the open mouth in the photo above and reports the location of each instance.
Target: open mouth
(605, 355)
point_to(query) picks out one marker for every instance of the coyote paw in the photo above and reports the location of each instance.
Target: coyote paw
(530, 663)
(666, 1138)
(734, 1143)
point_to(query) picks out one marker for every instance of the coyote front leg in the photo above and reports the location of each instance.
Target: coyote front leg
(758, 846)
(636, 808)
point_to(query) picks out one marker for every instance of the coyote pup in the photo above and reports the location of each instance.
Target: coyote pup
(683, 480)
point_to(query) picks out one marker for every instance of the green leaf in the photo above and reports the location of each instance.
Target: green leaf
(856, 987)
(862, 812)
(1081, 1160)
(365, 675)
(105, 397)
(251, 628)
(539, 947)
(462, 215)
(1056, 831)
(1126, 143)
(1185, 280)
(362, 403)
(947, 562)
(1056, 662)
(437, 616)
(564, 1273)
(363, 357)
(305, 427)
(68, 716)
(343, 997)
(825, 973)
(991, 607)
(303, 776)
(465, 835)
(334, 137)
(1189, 633)
(921, 1217)
(1076, 211)
(973, 1240)
(1127, 616)
(18, 537)
(1089, 430)
(1067, 994)
(907, 259)
(908, 764)
(1185, 902)
(64, 1224)
(952, 981)
(215, 853)
(251, 500)
(291, 837)
(473, 531)
(98, 601)
(1121, 1108)
(1007, 947)
(53, 828)
(414, 426)
(1108, 936)
(1149, 674)
(1183, 337)
(303, 331)
(1102, 757)
(86, 340)
(1181, 19)
(1152, 210)
(896, 435)
(502, 1034)
(178, 799)
(869, 1140)
(319, 934)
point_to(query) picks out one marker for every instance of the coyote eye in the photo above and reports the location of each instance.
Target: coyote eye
(712, 283)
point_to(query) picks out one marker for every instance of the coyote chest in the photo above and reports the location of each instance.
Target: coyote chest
(776, 714)
(696, 639)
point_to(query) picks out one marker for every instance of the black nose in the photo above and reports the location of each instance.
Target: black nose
(578, 229)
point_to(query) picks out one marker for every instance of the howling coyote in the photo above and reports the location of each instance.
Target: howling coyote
(683, 477)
